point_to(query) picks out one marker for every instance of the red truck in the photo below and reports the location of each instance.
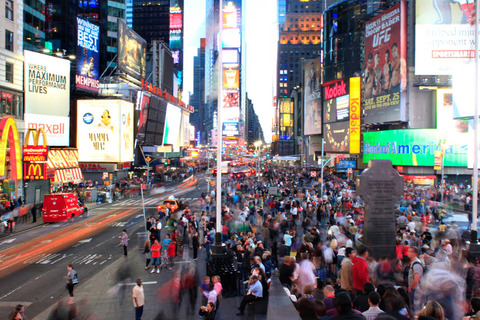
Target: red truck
(61, 207)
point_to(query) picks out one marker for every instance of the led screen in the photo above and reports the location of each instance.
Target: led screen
(231, 38)
(131, 51)
(88, 58)
(173, 120)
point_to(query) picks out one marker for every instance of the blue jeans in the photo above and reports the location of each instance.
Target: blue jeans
(138, 313)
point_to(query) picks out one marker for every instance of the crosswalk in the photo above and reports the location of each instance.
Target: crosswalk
(137, 202)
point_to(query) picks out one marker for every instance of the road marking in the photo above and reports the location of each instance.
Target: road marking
(13, 304)
(146, 282)
(47, 259)
(119, 224)
(85, 240)
(8, 241)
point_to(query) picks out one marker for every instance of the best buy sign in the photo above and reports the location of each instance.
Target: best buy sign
(415, 147)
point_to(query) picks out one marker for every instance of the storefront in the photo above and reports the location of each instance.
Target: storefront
(63, 168)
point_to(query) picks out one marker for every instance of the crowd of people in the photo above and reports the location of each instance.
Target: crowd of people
(280, 224)
(313, 241)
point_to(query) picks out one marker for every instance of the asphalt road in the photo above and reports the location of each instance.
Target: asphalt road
(39, 256)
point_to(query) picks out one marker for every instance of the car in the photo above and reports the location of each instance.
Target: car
(61, 207)
(172, 205)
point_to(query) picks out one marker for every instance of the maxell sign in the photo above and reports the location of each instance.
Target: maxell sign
(56, 128)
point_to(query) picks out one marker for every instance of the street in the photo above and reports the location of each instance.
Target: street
(39, 256)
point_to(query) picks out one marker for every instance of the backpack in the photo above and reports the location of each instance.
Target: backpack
(75, 278)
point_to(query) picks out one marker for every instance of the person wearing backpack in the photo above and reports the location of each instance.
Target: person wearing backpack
(72, 280)
(415, 273)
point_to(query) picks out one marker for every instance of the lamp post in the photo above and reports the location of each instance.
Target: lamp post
(257, 145)
(321, 172)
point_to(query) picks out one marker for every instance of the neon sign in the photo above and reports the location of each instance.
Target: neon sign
(9, 134)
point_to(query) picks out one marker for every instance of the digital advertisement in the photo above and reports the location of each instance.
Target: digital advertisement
(313, 101)
(88, 58)
(230, 129)
(385, 66)
(173, 120)
(337, 137)
(47, 84)
(415, 147)
(231, 107)
(105, 130)
(444, 36)
(131, 51)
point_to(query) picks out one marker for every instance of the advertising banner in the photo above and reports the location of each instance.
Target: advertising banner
(230, 129)
(313, 102)
(346, 164)
(131, 51)
(337, 137)
(444, 36)
(445, 112)
(386, 68)
(355, 115)
(9, 137)
(415, 147)
(46, 84)
(231, 107)
(173, 120)
(231, 78)
(35, 156)
(105, 130)
(56, 128)
(88, 58)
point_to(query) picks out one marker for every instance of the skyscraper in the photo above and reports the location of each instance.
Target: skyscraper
(162, 20)
(197, 99)
(299, 39)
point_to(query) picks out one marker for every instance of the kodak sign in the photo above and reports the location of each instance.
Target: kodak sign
(355, 115)
(35, 156)
(334, 89)
(10, 137)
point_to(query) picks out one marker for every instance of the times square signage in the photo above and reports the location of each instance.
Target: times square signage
(335, 88)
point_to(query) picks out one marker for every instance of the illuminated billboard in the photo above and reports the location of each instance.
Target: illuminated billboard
(445, 113)
(56, 128)
(415, 147)
(231, 78)
(230, 129)
(131, 52)
(105, 130)
(171, 131)
(230, 19)
(337, 136)
(231, 38)
(230, 56)
(231, 106)
(86, 74)
(444, 38)
(385, 66)
(313, 102)
(46, 84)
(355, 112)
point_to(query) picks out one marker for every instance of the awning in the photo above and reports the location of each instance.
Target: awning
(62, 166)
(68, 175)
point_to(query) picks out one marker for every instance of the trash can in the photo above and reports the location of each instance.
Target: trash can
(142, 237)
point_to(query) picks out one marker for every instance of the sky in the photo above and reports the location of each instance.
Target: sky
(261, 38)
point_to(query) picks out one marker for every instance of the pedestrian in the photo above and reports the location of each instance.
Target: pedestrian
(18, 313)
(195, 245)
(171, 253)
(124, 242)
(34, 214)
(255, 292)
(155, 250)
(72, 280)
(138, 299)
(147, 253)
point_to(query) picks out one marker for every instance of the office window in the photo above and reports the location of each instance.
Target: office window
(9, 40)
(9, 72)
(9, 9)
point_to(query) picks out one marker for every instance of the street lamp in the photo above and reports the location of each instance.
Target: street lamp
(257, 145)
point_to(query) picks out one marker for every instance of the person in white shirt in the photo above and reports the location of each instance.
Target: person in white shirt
(255, 292)
(374, 310)
(138, 299)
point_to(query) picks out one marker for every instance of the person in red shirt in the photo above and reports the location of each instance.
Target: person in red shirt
(360, 270)
(171, 253)
(155, 250)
